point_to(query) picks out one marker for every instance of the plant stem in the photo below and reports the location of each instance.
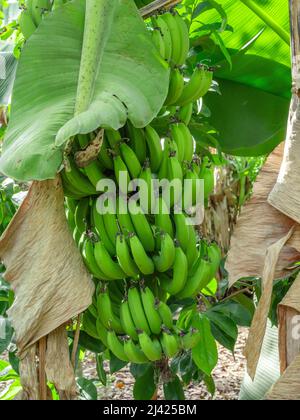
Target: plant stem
(284, 35)
(98, 21)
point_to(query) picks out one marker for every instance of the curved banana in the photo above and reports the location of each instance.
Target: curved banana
(78, 180)
(175, 88)
(116, 346)
(192, 250)
(151, 348)
(111, 226)
(144, 263)
(165, 314)
(169, 343)
(162, 218)
(215, 256)
(99, 226)
(180, 140)
(123, 216)
(160, 24)
(106, 314)
(134, 352)
(107, 265)
(152, 315)
(137, 310)
(105, 157)
(158, 41)
(82, 214)
(27, 25)
(180, 273)
(143, 230)
(90, 261)
(137, 141)
(185, 113)
(207, 174)
(175, 174)
(124, 258)
(149, 195)
(131, 160)
(198, 281)
(155, 150)
(121, 174)
(165, 260)
(182, 232)
(197, 87)
(127, 321)
(113, 138)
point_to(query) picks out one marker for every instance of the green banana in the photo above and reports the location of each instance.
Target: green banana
(162, 218)
(192, 250)
(147, 196)
(175, 88)
(90, 261)
(131, 160)
(207, 174)
(82, 214)
(215, 256)
(165, 260)
(179, 139)
(191, 189)
(71, 204)
(185, 113)
(137, 141)
(159, 23)
(184, 39)
(165, 314)
(70, 219)
(198, 280)
(77, 179)
(113, 138)
(175, 174)
(197, 87)
(155, 150)
(191, 339)
(124, 258)
(39, 8)
(151, 348)
(144, 263)
(105, 157)
(106, 314)
(116, 346)
(27, 25)
(169, 343)
(180, 273)
(111, 226)
(69, 190)
(182, 232)
(179, 36)
(158, 41)
(152, 315)
(127, 321)
(76, 236)
(143, 230)
(108, 266)
(99, 226)
(121, 174)
(123, 216)
(137, 310)
(134, 352)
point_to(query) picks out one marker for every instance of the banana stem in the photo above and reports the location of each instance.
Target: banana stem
(284, 35)
(98, 22)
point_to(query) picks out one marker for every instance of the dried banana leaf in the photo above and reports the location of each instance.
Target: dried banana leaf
(288, 386)
(43, 265)
(259, 226)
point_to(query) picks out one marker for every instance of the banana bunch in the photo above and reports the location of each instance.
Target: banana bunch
(32, 14)
(139, 260)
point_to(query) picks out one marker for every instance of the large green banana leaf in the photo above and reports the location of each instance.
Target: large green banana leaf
(251, 114)
(132, 83)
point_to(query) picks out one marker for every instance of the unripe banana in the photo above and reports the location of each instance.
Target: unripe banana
(123, 216)
(215, 256)
(166, 257)
(114, 138)
(184, 39)
(149, 195)
(144, 263)
(143, 231)
(90, 261)
(111, 226)
(137, 141)
(169, 343)
(180, 140)
(180, 273)
(27, 25)
(197, 87)
(124, 258)
(121, 174)
(127, 321)
(185, 113)
(116, 346)
(82, 214)
(149, 306)
(99, 226)
(191, 339)
(107, 265)
(182, 233)
(175, 174)
(151, 348)
(134, 352)
(165, 314)
(175, 88)
(158, 41)
(162, 218)
(131, 160)
(105, 157)
(207, 174)
(137, 310)
(198, 281)
(192, 250)
(106, 314)
(78, 180)
(155, 149)
(39, 8)
(160, 24)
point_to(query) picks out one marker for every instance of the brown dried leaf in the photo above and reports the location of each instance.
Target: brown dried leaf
(259, 226)
(44, 266)
(288, 386)
(259, 323)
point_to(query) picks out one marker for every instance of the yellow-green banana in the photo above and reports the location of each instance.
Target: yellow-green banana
(165, 314)
(134, 352)
(127, 321)
(182, 233)
(131, 160)
(143, 230)
(197, 87)
(198, 281)
(152, 315)
(137, 310)
(169, 343)
(151, 348)
(106, 314)
(165, 260)
(180, 273)
(155, 149)
(106, 264)
(175, 88)
(142, 260)
(116, 346)
(125, 259)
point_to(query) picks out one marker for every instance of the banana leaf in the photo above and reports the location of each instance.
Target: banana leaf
(259, 67)
(132, 82)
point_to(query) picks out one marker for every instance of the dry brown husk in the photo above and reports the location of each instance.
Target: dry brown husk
(259, 226)
(288, 386)
(289, 321)
(285, 196)
(259, 323)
